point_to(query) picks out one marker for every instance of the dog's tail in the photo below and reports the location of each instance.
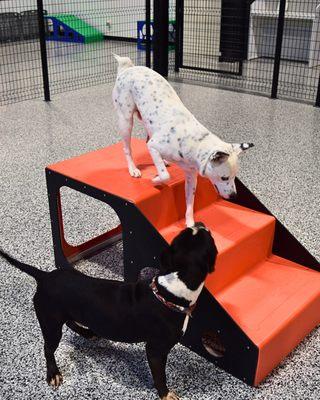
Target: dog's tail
(37, 274)
(123, 62)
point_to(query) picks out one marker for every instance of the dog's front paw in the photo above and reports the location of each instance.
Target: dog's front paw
(170, 396)
(135, 172)
(55, 379)
(163, 179)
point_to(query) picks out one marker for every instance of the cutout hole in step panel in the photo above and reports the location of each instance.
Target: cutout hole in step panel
(84, 217)
(213, 344)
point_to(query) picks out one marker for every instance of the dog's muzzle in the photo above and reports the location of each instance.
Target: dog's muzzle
(197, 227)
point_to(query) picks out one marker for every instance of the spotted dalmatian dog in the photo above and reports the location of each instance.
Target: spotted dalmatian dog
(174, 134)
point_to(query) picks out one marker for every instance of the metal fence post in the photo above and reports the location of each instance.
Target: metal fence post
(277, 56)
(179, 35)
(148, 38)
(43, 50)
(318, 95)
(160, 36)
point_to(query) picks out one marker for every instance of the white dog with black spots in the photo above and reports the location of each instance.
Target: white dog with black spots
(174, 134)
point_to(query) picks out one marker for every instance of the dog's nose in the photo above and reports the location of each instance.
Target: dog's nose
(233, 196)
(200, 225)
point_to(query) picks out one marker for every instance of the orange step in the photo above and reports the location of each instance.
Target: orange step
(106, 169)
(240, 234)
(276, 303)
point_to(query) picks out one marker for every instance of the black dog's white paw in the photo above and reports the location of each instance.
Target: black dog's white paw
(55, 380)
(170, 396)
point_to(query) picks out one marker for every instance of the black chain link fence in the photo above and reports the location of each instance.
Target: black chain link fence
(233, 44)
(270, 47)
(105, 26)
(20, 62)
(81, 36)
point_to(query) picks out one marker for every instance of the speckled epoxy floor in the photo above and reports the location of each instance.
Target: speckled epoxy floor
(282, 170)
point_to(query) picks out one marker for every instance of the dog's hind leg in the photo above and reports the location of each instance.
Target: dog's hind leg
(51, 323)
(125, 128)
(84, 332)
(157, 359)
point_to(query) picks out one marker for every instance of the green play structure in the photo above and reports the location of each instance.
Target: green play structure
(69, 28)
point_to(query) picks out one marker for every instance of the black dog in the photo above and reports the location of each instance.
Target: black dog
(156, 314)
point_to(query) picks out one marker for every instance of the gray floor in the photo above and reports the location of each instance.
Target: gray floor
(282, 170)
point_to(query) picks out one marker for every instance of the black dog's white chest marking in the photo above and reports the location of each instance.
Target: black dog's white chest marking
(178, 288)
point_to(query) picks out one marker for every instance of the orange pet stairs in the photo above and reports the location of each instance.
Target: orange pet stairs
(257, 305)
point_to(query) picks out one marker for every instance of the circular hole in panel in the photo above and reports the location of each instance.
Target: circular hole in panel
(212, 342)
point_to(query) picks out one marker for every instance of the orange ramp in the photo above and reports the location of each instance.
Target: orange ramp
(256, 306)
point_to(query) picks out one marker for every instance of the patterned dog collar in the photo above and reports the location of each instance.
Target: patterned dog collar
(172, 306)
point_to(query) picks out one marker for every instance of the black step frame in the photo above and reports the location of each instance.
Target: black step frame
(142, 247)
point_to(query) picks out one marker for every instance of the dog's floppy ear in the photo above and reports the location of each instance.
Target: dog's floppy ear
(240, 147)
(219, 157)
(166, 259)
(212, 255)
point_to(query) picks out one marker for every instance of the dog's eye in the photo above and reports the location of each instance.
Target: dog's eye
(224, 178)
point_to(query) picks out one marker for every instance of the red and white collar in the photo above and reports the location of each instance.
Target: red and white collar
(175, 307)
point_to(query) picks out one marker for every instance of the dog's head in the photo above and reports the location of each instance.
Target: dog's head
(192, 254)
(222, 168)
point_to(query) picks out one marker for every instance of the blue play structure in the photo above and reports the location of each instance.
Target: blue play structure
(142, 34)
